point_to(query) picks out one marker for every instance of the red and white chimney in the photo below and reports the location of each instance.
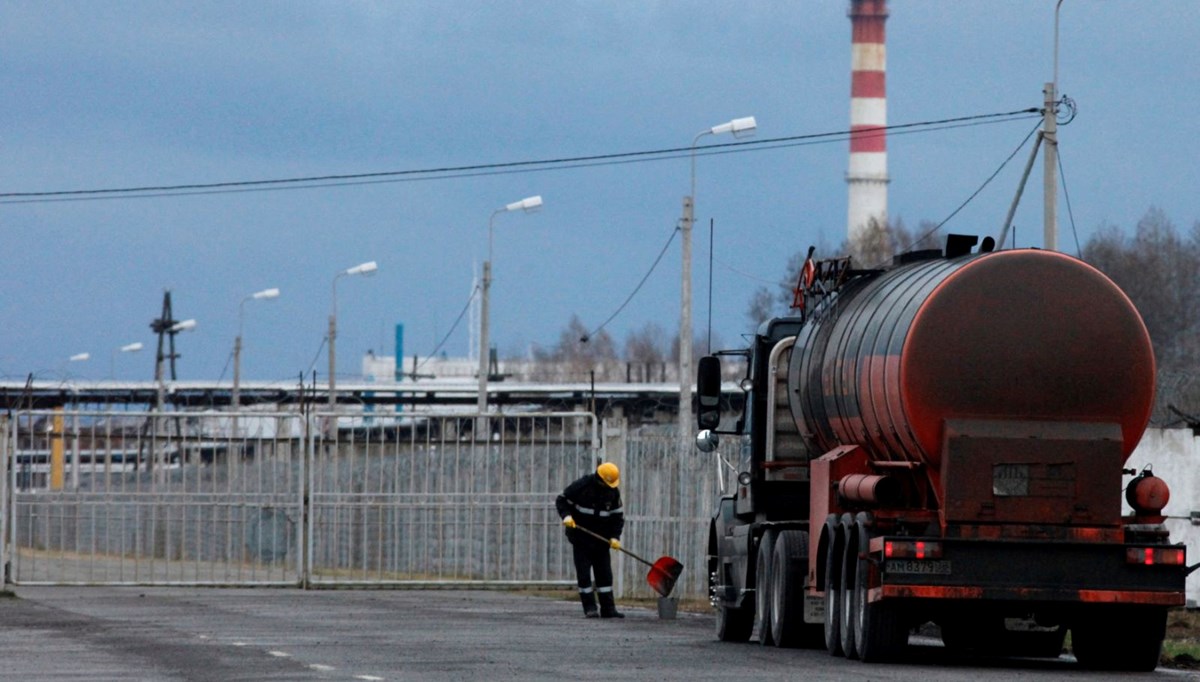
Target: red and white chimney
(868, 176)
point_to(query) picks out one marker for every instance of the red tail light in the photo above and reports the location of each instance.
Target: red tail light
(1156, 556)
(912, 549)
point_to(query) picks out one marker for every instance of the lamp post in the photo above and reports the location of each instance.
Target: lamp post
(127, 348)
(739, 127)
(236, 398)
(360, 269)
(528, 205)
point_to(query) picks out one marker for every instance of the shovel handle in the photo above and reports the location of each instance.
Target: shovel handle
(601, 537)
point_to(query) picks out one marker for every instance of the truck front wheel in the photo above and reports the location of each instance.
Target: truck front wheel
(734, 624)
(762, 588)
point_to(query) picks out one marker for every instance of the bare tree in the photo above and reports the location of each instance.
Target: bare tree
(582, 353)
(873, 247)
(1160, 272)
(762, 306)
(646, 352)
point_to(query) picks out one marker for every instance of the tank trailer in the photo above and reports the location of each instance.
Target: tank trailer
(944, 441)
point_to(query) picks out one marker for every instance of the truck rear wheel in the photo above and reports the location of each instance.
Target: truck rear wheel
(1119, 637)
(787, 592)
(833, 595)
(762, 588)
(849, 601)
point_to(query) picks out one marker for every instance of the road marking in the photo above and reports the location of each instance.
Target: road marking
(280, 654)
(368, 677)
(320, 666)
(239, 644)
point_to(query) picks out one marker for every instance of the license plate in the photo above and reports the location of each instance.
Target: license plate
(914, 567)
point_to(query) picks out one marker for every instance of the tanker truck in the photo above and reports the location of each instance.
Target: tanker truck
(943, 443)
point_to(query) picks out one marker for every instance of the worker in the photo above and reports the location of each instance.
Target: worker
(593, 502)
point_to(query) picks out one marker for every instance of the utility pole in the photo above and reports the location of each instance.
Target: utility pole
(685, 319)
(1050, 171)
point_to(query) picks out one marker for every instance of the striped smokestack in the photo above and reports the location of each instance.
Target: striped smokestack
(867, 177)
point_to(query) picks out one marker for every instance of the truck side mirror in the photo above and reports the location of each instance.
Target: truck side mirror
(708, 392)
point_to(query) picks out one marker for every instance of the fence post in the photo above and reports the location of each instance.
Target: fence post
(6, 440)
(309, 436)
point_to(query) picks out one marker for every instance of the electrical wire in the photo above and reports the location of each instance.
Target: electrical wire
(445, 338)
(475, 170)
(974, 194)
(316, 357)
(635, 289)
(1067, 195)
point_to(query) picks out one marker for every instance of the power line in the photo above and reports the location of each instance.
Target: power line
(1067, 195)
(636, 289)
(447, 336)
(330, 180)
(974, 194)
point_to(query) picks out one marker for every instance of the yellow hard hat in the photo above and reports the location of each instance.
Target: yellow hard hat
(609, 473)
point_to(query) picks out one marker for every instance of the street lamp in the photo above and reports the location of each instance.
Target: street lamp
(739, 127)
(528, 205)
(360, 269)
(127, 348)
(265, 294)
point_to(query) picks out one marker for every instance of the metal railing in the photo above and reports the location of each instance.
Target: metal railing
(324, 499)
(154, 498)
(433, 505)
(289, 499)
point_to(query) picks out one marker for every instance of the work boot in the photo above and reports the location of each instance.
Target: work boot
(589, 603)
(608, 608)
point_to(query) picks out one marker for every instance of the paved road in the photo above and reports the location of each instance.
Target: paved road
(152, 634)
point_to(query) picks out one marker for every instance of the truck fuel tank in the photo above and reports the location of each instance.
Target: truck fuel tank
(1022, 334)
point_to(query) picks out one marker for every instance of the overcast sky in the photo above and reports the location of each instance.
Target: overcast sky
(100, 95)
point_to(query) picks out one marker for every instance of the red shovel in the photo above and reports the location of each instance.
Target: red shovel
(663, 573)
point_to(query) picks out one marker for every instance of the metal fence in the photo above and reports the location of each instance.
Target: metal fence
(321, 499)
(433, 504)
(669, 491)
(146, 498)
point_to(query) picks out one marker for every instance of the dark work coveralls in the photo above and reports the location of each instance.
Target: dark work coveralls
(597, 507)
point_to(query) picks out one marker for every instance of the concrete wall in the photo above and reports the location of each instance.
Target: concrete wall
(1174, 456)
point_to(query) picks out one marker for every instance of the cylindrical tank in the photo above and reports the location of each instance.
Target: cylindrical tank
(1019, 334)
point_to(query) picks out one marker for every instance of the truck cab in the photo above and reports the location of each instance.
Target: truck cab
(770, 497)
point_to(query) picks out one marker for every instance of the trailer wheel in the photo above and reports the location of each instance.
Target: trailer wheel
(849, 601)
(1119, 638)
(762, 588)
(880, 632)
(833, 596)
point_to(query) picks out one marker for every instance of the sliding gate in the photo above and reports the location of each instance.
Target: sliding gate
(252, 498)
